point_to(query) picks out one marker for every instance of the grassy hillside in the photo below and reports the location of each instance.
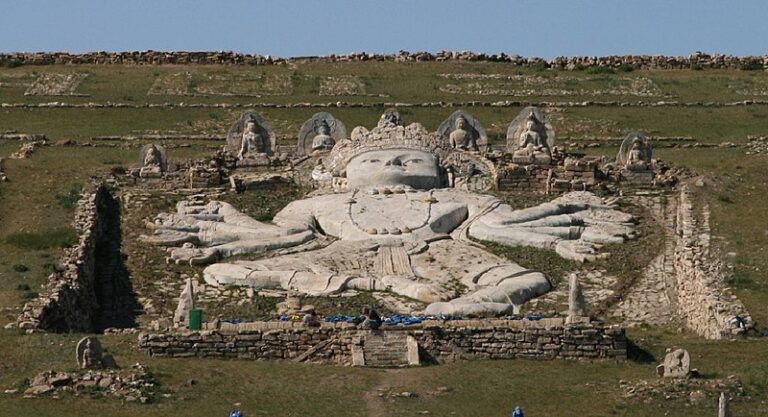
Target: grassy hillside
(36, 211)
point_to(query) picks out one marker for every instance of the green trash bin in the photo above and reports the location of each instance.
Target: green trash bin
(195, 319)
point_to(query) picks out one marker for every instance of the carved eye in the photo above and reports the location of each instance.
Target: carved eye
(413, 161)
(372, 161)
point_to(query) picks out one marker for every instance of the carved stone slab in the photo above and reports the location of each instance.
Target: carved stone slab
(89, 353)
(161, 150)
(517, 127)
(235, 134)
(310, 129)
(645, 149)
(474, 127)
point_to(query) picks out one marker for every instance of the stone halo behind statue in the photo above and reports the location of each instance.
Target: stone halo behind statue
(262, 129)
(518, 126)
(311, 133)
(635, 153)
(470, 137)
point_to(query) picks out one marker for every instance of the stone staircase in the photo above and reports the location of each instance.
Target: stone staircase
(377, 348)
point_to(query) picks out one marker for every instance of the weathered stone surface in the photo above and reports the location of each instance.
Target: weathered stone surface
(635, 153)
(154, 161)
(89, 353)
(462, 131)
(677, 364)
(320, 133)
(250, 137)
(724, 406)
(398, 346)
(640, 62)
(531, 137)
(185, 304)
(577, 307)
(391, 226)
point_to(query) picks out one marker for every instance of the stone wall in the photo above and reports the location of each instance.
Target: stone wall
(574, 174)
(438, 342)
(82, 294)
(704, 302)
(383, 105)
(696, 60)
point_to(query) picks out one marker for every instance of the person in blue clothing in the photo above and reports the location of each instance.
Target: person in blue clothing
(235, 413)
(517, 412)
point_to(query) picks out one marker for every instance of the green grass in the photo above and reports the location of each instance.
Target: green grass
(56, 238)
(36, 207)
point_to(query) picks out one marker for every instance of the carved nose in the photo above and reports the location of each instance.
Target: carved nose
(394, 161)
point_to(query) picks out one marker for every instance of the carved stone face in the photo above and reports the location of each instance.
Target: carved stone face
(530, 125)
(250, 127)
(323, 129)
(461, 123)
(392, 167)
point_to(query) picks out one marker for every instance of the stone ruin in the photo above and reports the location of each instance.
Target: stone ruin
(320, 133)
(531, 138)
(464, 132)
(252, 141)
(153, 160)
(394, 213)
(677, 364)
(396, 208)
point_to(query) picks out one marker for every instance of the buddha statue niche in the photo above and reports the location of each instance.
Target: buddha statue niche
(637, 159)
(635, 153)
(532, 143)
(461, 137)
(252, 143)
(323, 139)
(152, 162)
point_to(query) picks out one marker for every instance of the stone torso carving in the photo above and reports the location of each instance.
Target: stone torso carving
(323, 140)
(252, 142)
(530, 138)
(152, 158)
(461, 138)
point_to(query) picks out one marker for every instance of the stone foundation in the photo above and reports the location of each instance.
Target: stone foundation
(438, 342)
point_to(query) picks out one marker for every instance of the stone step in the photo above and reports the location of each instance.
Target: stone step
(387, 349)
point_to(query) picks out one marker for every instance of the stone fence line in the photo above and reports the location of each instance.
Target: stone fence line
(384, 105)
(697, 60)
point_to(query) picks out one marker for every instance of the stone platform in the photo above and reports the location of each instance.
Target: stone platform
(435, 342)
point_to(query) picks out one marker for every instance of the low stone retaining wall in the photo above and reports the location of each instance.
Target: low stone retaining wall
(704, 302)
(438, 341)
(698, 60)
(573, 175)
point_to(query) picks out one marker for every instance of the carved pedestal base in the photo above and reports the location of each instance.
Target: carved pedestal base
(254, 161)
(535, 159)
(150, 172)
(637, 177)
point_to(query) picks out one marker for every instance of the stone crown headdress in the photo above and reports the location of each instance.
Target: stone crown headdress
(413, 136)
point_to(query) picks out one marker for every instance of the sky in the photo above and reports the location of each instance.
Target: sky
(319, 27)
